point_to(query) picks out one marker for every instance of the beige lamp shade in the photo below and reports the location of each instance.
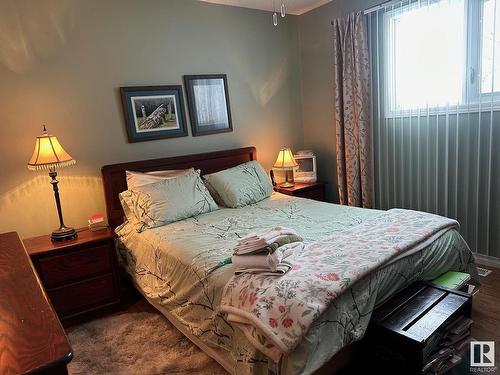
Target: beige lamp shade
(285, 159)
(49, 154)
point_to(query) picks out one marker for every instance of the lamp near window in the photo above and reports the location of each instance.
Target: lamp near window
(49, 155)
(286, 162)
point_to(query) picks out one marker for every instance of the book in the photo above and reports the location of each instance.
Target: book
(452, 280)
(96, 222)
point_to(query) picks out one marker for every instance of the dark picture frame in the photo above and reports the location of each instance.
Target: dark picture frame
(208, 104)
(153, 112)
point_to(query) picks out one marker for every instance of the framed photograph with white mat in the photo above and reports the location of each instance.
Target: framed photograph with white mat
(208, 103)
(153, 112)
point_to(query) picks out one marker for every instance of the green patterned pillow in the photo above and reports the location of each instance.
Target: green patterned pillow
(241, 185)
(167, 201)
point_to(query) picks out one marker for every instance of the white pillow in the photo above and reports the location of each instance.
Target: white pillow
(136, 179)
(167, 201)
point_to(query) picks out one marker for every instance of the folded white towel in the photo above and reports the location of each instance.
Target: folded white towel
(249, 247)
(266, 235)
(264, 261)
(279, 262)
(256, 241)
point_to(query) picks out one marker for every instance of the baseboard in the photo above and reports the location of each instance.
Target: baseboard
(487, 260)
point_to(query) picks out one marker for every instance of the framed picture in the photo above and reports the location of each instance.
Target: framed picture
(208, 102)
(153, 112)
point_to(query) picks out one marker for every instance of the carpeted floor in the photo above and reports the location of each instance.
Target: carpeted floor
(139, 341)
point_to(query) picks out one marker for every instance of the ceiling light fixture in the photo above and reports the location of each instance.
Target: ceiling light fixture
(275, 14)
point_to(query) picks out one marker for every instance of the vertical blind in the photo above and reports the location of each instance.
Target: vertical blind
(436, 112)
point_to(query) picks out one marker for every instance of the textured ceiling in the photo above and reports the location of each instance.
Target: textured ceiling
(295, 7)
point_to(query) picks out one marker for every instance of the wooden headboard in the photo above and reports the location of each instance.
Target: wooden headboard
(115, 181)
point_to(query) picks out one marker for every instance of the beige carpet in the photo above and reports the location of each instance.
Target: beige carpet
(136, 342)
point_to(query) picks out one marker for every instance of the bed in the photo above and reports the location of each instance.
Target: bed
(175, 267)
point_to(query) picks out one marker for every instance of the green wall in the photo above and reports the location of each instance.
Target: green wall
(62, 63)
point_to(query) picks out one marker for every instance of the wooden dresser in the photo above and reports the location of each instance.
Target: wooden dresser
(80, 276)
(32, 339)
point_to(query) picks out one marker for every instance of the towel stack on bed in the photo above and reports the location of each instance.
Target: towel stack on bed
(268, 252)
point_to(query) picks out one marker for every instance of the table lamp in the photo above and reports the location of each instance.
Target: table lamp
(285, 161)
(49, 155)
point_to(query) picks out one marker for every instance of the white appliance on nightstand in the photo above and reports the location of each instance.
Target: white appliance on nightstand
(306, 171)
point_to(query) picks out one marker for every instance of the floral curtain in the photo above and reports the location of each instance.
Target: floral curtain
(352, 110)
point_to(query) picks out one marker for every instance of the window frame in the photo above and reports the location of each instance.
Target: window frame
(472, 99)
(476, 27)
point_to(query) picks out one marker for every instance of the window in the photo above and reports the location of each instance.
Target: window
(441, 54)
(490, 47)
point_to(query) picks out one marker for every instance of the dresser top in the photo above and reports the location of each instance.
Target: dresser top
(300, 186)
(43, 244)
(32, 336)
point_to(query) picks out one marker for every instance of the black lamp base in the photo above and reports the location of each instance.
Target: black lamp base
(63, 234)
(288, 179)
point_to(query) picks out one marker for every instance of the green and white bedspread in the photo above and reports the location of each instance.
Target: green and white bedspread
(171, 265)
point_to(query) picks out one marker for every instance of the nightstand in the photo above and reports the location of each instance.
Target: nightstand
(310, 190)
(80, 276)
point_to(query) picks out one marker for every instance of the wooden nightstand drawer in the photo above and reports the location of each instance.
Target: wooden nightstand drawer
(309, 190)
(83, 295)
(317, 194)
(80, 275)
(84, 263)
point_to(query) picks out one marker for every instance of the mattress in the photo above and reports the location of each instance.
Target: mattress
(175, 268)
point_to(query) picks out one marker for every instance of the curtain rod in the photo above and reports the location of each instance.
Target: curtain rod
(379, 6)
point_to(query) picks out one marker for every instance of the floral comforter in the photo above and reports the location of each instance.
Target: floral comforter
(284, 307)
(175, 266)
